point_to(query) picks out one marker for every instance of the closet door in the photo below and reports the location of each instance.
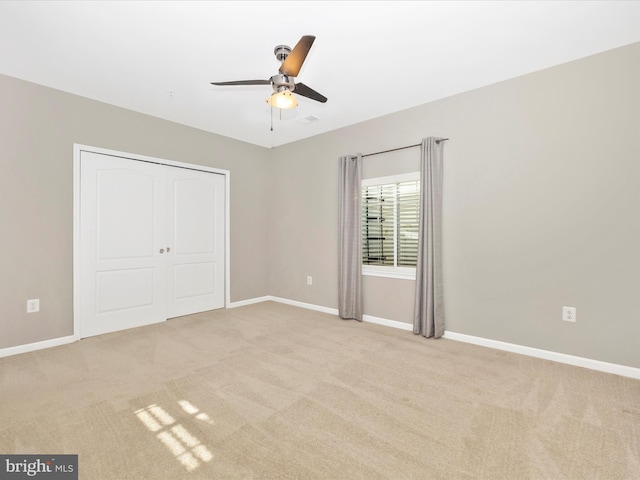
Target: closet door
(123, 224)
(196, 241)
(151, 242)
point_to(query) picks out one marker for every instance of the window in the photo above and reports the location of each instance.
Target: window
(390, 216)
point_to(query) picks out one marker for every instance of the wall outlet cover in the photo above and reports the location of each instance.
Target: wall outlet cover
(569, 314)
(33, 305)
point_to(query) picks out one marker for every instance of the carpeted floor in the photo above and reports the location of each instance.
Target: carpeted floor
(271, 391)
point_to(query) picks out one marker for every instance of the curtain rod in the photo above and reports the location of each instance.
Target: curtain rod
(401, 148)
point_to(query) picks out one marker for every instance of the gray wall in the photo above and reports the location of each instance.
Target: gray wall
(540, 209)
(38, 127)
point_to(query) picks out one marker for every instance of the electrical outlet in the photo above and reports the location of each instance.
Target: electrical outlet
(309, 280)
(33, 305)
(569, 314)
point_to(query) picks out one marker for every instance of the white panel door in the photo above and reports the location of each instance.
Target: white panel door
(196, 232)
(123, 224)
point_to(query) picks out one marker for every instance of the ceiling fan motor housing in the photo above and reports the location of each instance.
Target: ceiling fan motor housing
(282, 82)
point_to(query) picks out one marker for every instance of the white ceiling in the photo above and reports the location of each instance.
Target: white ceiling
(369, 58)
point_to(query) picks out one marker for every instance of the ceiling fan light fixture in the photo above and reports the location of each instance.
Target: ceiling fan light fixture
(284, 99)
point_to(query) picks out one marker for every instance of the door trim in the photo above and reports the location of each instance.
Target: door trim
(77, 150)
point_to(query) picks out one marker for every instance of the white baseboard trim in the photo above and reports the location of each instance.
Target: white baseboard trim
(295, 303)
(387, 323)
(309, 306)
(598, 365)
(32, 347)
(318, 308)
(249, 301)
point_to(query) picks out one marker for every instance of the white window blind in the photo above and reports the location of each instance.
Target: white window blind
(390, 216)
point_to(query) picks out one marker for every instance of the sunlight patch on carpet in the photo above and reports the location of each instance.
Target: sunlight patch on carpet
(185, 446)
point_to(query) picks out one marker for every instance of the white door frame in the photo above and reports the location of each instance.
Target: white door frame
(77, 149)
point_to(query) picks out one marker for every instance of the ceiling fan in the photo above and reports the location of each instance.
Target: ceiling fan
(283, 83)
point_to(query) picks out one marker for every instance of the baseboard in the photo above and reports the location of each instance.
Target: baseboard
(32, 347)
(308, 306)
(249, 301)
(598, 365)
(295, 303)
(388, 323)
(334, 311)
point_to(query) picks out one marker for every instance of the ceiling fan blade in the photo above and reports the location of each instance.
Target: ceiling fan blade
(293, 63)
(302, 89)
(244, 82)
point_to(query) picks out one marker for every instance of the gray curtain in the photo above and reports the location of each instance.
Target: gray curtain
(350, 241)
(428, 316)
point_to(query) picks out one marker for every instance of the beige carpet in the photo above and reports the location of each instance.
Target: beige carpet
(272, 391)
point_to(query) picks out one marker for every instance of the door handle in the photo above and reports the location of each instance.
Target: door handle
(168, 249)
(162, 250)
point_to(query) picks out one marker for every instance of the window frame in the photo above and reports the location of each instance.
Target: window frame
(404, 273)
